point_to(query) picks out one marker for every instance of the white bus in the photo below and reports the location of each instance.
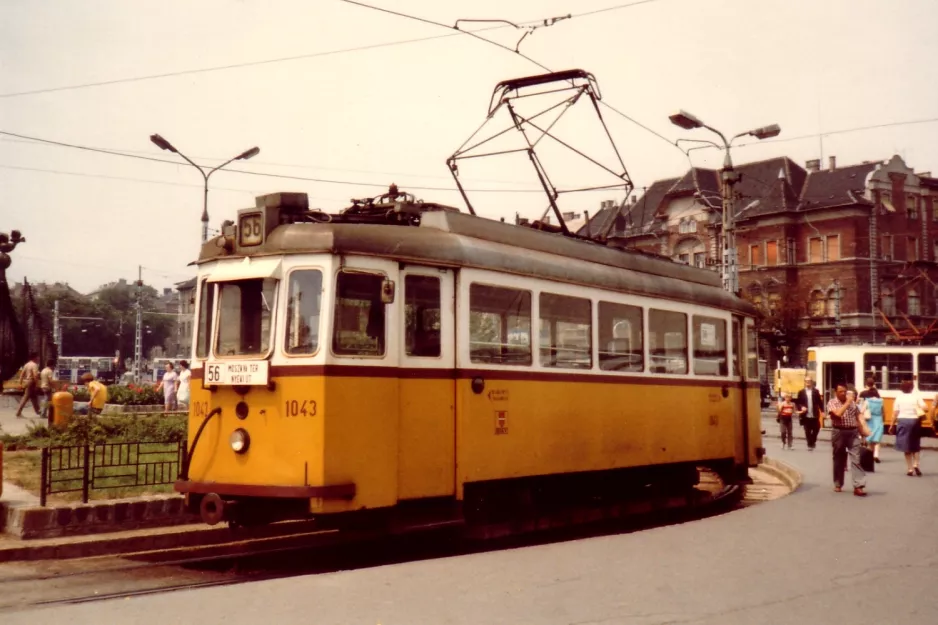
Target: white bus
(888, 365)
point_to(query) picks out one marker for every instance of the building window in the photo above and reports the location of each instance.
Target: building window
(684, 259)
(687, 225)
(771, 253)
(700, 260)
(911, 207)
(888, 303)
(832, 303)
(818, 304)
(790, 250)
(914, 304)
(775, 303)
(755, 255)
(885, 247)
(911, 249)
(833, 247)
(815, 250)
(566, 332)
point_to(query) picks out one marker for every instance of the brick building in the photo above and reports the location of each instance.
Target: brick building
(832, 255)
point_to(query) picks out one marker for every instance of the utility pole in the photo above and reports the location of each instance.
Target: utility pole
(56, 328)
(138, 335)
(729, 177)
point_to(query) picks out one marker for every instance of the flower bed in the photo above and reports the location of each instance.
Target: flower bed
(130, 395)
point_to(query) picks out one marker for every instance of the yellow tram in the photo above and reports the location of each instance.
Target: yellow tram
(402, 354)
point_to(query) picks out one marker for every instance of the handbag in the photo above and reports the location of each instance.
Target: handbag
(866, 460)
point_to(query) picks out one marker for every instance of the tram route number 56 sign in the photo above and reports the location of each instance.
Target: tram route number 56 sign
(234, 372)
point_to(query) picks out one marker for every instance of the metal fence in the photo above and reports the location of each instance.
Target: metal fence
(83, 468)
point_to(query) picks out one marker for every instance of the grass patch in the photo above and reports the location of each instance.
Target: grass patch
(22, 463)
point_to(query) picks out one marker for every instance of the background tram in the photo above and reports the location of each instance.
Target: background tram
(405, 356)
(889, 365)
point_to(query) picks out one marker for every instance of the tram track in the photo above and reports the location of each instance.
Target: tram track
(316, 552)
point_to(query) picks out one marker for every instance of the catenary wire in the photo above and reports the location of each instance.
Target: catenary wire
(242, 171)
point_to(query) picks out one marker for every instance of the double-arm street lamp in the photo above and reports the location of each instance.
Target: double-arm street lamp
(685, 120)
(163, 144)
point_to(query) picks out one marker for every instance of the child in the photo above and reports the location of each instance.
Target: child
(786, 410)
(98, 392)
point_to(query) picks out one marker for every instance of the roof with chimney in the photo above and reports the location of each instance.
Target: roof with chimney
(775, 185)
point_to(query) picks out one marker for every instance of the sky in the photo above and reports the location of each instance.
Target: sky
(358, 99)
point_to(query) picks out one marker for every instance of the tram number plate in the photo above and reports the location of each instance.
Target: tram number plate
(231, 373)
(251, 230)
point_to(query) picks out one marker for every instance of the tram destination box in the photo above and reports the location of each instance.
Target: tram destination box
(237, 372)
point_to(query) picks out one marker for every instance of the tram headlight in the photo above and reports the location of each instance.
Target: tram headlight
(239, 441)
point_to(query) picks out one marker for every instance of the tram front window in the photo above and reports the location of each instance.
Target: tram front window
(245, 312)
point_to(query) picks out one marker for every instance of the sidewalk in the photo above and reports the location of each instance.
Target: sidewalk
(9, 423)
(771, 431)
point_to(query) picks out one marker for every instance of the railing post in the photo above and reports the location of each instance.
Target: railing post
(84, 473)
(44, 480)
(183, 453)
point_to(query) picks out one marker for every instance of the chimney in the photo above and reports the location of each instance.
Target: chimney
(813, 165)
(832, 162)
(634, 200)
(167, 291)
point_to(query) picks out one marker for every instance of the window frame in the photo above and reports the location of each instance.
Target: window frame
(440, 284)
(931, 373)
(322, 304)
(334, 301)
(484, 282)
(820, 241)
(272, 339)
(686, 348)
(553, 346)
(723, 371)
(642, 351)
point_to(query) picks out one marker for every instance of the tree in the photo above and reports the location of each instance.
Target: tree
(781, 321)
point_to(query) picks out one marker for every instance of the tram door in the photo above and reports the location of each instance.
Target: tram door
(427, 446)
(837, 373)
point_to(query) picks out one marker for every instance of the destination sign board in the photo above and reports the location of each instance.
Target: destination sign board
(237, 372)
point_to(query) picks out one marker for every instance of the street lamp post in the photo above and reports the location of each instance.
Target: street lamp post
(163, 144)
(729, 177)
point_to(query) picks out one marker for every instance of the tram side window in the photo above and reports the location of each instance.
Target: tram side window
(621, 338)
(667, 341)
(304, 300)
(499, 325)
(928, 372)
(566, 332)
(422, 316)
(752, 352)
(896, 366)
(737, 339)
(709, 346)
(359, 315)
(245, 312)
(206, 314)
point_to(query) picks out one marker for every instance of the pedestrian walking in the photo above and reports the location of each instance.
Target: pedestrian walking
(786, 412)
(810, 408)
(45, 386)
(168, 384)
(97, 392)
(871, 407)
(182, 385)
(907, 411)
(29, 379)
(845, 415)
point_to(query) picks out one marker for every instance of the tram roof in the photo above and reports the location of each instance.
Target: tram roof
(450, 239)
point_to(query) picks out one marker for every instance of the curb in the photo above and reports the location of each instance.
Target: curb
(790, 476)
(30, 522)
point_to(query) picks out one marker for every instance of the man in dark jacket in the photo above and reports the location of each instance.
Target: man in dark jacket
(810, 409)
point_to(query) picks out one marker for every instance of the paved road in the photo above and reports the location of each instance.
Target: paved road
(9, 423)
(812, 557)
(773, 438)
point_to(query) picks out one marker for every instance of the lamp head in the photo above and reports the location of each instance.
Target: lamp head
(162, 143)
(685, 120)
(766, 132)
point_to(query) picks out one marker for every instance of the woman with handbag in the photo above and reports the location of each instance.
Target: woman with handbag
(908, 409)
(872, 412)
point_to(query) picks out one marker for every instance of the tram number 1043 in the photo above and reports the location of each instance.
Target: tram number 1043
(299, 408)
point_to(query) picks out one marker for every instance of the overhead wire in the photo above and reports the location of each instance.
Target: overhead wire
(241, 171)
